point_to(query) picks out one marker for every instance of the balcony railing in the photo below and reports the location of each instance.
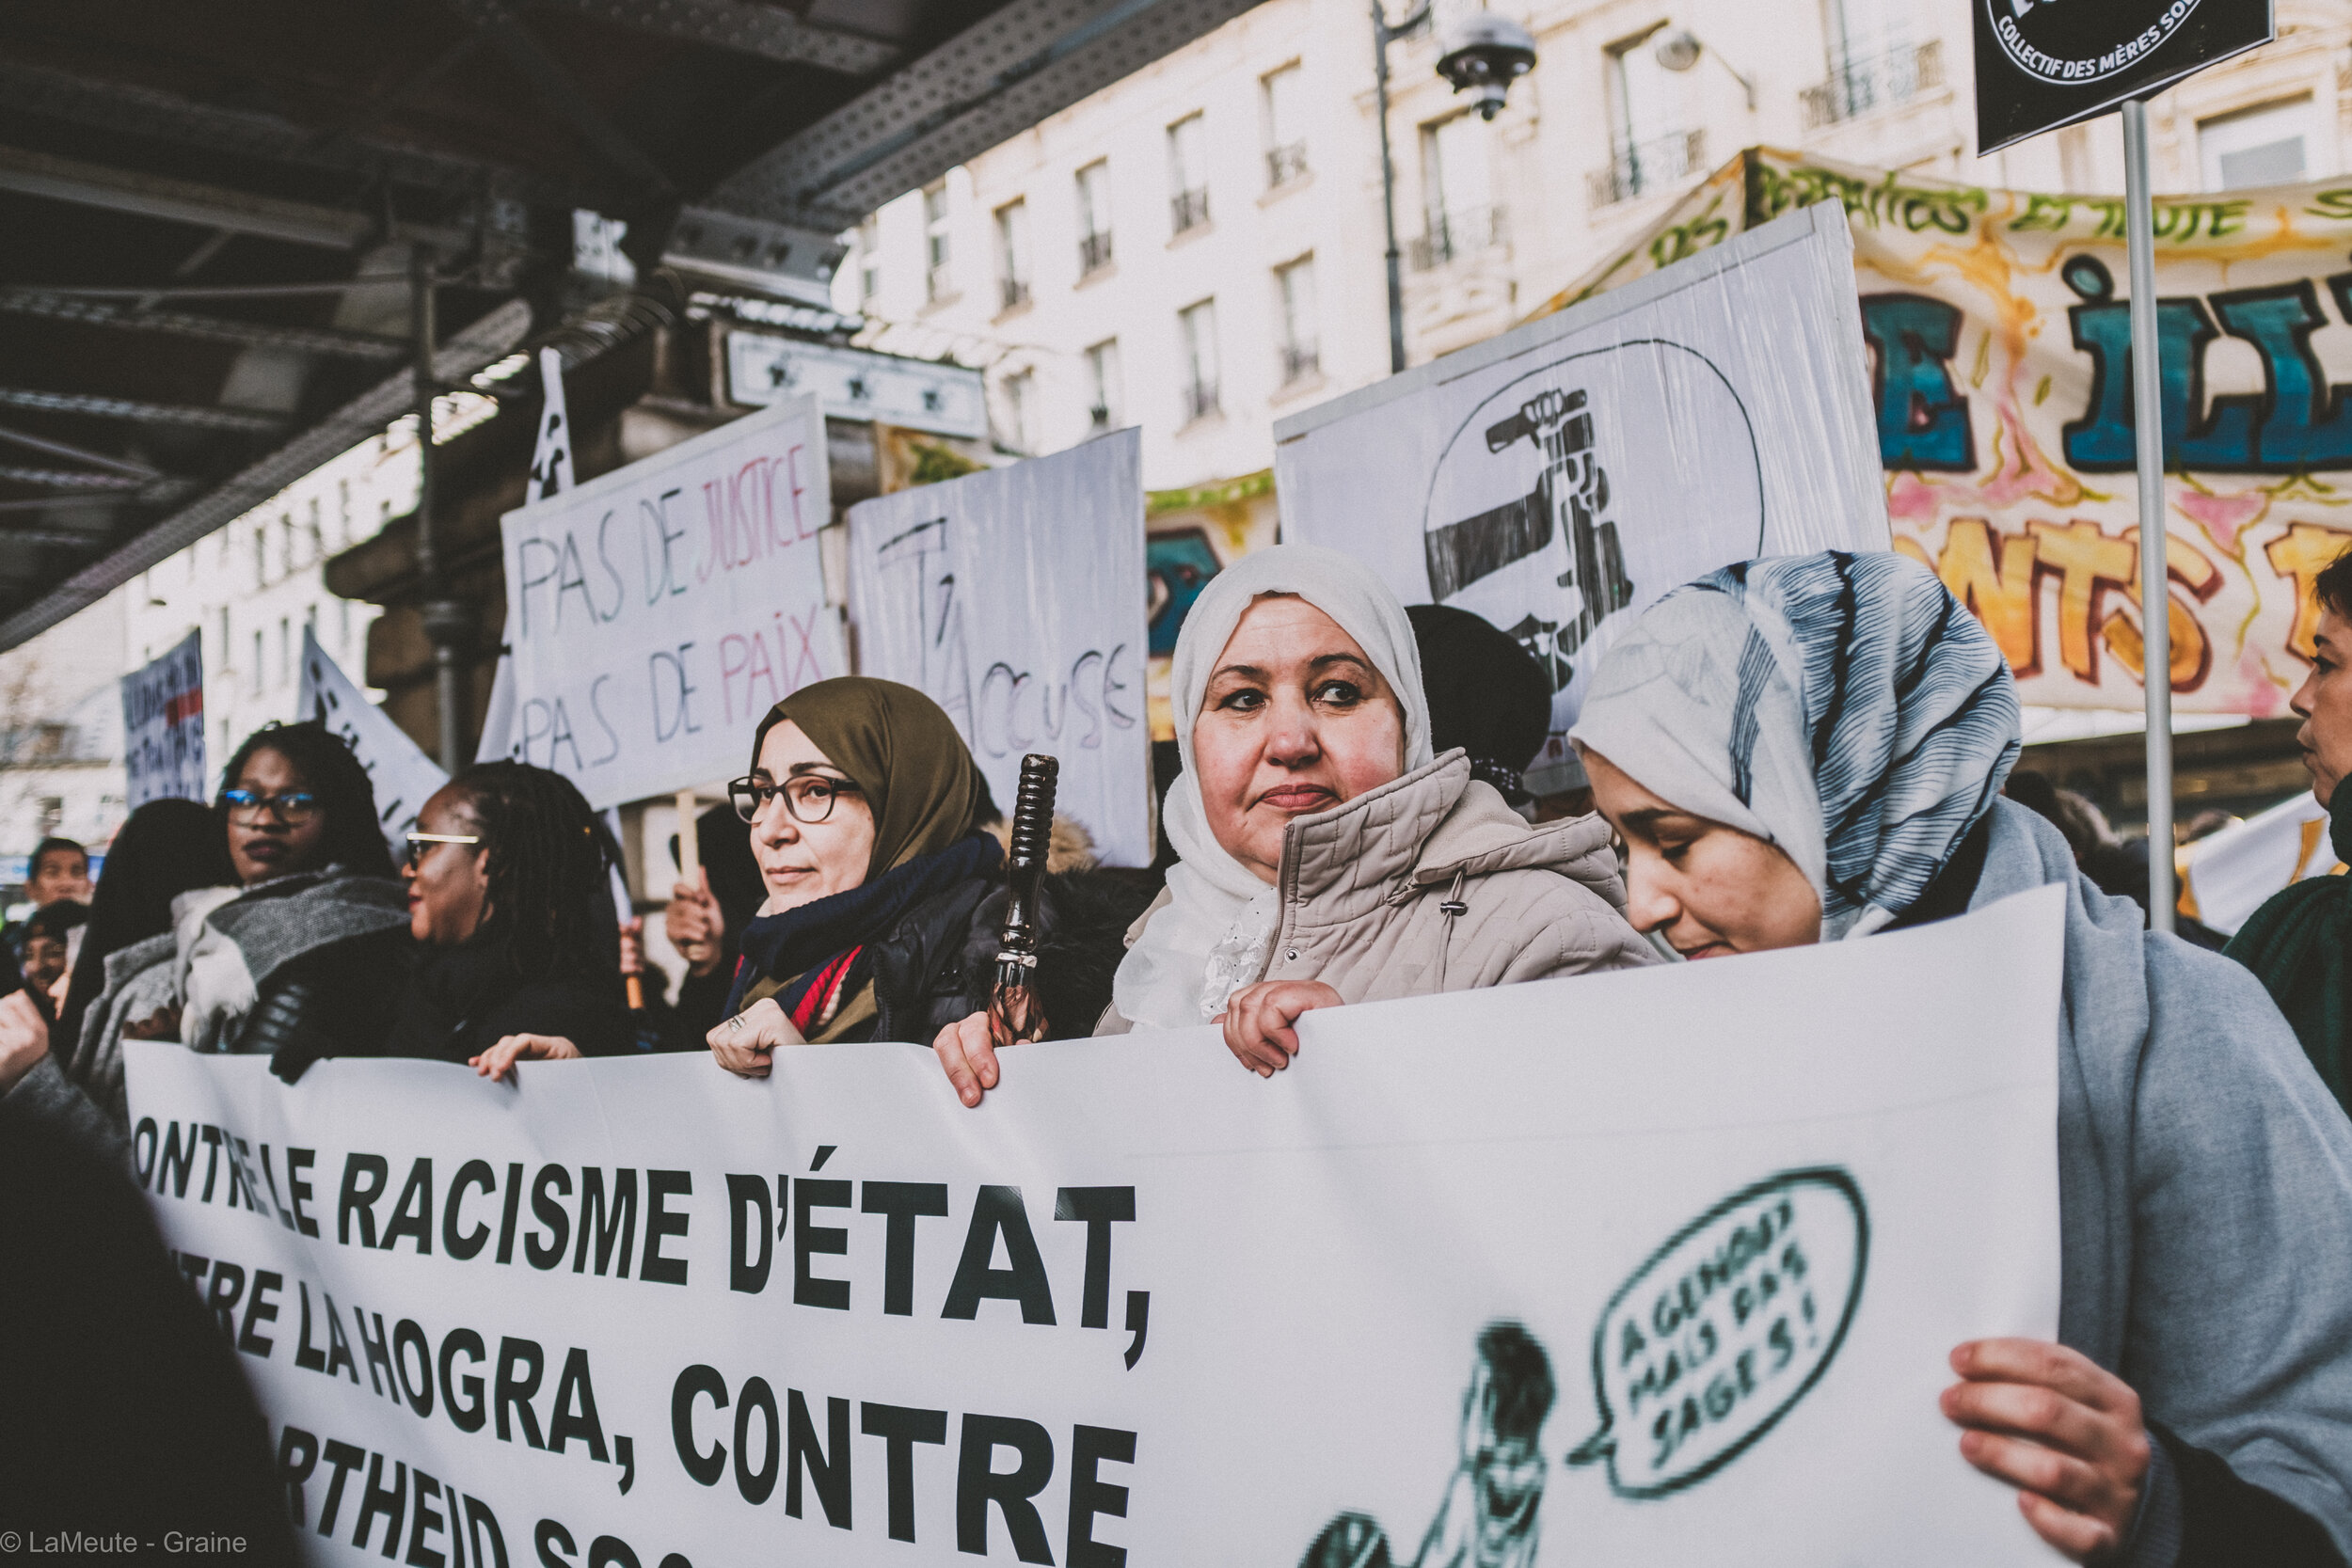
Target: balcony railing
(1016, 292)
(1646, 167)
(1285, 163)
(1189, 209)
(1299, 361)
(1453, 236)
(1095, 252)
(1861, 87)
(1199, 399)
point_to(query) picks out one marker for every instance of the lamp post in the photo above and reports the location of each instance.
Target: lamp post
(1482, 54)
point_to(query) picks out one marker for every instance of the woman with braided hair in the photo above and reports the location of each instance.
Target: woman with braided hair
(510, 892)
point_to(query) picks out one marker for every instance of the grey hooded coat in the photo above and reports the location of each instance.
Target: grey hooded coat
(2205, 1199)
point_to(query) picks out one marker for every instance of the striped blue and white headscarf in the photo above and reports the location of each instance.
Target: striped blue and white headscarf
(1843, 707)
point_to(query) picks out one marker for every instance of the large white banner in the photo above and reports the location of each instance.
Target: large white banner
(1559, 478)
(402, 776)
(163, 726)
(653, 614)
(1649, 1267)
(1016, 597)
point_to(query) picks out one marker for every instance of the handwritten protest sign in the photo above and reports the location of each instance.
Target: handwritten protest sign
(404, 777)
(163, 726)
(1561, 477)
(656, 612)
(1573, 1258)
(1016, 597)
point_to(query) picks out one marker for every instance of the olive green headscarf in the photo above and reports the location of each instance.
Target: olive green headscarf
(901, 751)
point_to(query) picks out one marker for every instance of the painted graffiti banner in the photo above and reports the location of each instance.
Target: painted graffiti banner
(653, 614)
(1558, 479)
(163, 726)
(1567, 1261)
(2000, 338)
(1015, 597)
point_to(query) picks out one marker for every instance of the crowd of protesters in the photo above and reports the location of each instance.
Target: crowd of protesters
(1793, 751)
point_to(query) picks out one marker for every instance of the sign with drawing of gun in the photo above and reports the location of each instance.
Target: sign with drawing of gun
(1015, 597)
(1570, 498)
(1558, 479)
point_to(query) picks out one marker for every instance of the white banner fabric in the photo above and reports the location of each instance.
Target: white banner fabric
(1016, 597)
(1559, 478)
(656, 612)
(2236, 870)
(403, 775)
(1582, 1261)
(162, 727)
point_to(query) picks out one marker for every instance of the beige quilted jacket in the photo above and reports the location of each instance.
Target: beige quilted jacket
(1432, 883)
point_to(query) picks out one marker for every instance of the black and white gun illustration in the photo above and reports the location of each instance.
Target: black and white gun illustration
(1571, 494)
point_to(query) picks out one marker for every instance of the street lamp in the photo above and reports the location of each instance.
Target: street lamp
(1678, 49)
(1481, 54)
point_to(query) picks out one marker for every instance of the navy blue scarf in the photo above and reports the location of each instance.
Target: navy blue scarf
(826, 940)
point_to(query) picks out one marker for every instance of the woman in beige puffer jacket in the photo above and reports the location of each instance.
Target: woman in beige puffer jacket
(1326, 856)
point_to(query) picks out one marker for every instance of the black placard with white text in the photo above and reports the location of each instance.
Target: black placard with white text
(2042, 64)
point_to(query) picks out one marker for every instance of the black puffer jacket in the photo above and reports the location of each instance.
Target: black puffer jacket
(936, 964)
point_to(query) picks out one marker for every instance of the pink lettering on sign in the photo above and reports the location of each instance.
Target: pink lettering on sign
(754, 512)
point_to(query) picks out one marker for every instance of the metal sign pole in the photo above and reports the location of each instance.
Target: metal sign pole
(2155, 597)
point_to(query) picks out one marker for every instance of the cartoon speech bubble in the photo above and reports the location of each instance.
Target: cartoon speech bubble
(1726, 1326)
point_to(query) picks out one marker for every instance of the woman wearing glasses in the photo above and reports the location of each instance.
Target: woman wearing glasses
(510, 895)
(870, 824)
(304, 959)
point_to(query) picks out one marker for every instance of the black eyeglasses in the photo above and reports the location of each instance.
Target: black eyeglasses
(420, 843)
(808, 797)
(247, 805)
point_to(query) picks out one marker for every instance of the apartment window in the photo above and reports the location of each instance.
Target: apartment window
(2269, 145)
(342, 629)
(318, 531)
(1187, 174)
(1285, 127)
(285, 651)
(1294, 295)
(1094, 217)
(1012, 254)
(220, 644)
(1021, 411)
(1102, 385)
(869, 262)
(260, 556)
(343, 512)
(1198, 326)
(935, 242)
(1458, 189)
(1651, 143)
(253, 682)
(1872, 62)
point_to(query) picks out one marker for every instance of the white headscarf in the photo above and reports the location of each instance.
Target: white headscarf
(1844, 707)
(1210, 939)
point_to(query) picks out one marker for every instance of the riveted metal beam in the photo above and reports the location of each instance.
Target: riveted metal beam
(89, 406)
(557, 88)
(179, 201)
(365, 416)
(145, 112)
(745, 27)
(67, 479)
(323, 340)
(154, 196)
(1027, 60)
